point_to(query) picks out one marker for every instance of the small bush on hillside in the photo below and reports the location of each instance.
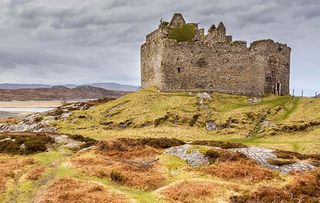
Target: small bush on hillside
(281, 162)
(8, 168)
(194, 120)
(87, 140)
(72, 190)
(304, 188)
(158, 143)
(190, 191)
(35, 173)
(240, 170)
(315, 156)
(56, 112)
(212, 155)
(223, 145)
(116, 145)
(161, 120)
(162, 143)
(264, 195)
(289, 155)
(116, 176)
(24, 143)
(226, 156)
(124, 172)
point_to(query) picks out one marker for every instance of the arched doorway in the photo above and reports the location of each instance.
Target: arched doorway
(277, 89)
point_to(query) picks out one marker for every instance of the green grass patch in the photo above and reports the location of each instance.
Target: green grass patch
(184, 33)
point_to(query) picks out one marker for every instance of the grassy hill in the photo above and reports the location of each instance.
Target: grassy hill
(58, 167)
(281, 122)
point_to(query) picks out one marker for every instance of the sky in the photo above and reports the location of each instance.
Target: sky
(85, 41)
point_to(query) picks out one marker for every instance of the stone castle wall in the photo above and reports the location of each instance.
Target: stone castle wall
(214, 63)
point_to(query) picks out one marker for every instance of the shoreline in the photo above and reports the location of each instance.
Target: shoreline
(21, 109)
(30, 104)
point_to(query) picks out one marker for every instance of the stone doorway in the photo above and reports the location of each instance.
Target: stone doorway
(277, 89)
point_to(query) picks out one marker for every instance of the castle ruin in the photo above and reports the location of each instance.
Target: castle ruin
(179, 56)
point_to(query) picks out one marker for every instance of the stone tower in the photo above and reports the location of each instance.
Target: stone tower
(179, 56)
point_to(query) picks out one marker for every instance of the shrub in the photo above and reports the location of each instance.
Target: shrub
(194, 120)
(161, 143)
(71, 190)
(116, 145)
(223, 145)
(304, 188)
(240, 170)
(289, 155)
(190, 191)
(213, 155)
(121, 171)
(158, 143)
(315, 156)
(281, 162)
(226, 156)
(24, 143)
(161, 120)
(116, 176)
(8, 168)
(264, 194)
(35, 173)
(87, 140)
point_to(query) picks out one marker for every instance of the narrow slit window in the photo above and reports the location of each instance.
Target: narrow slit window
(179, 70)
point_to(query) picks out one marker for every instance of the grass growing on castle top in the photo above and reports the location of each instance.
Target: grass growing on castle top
(184, 33)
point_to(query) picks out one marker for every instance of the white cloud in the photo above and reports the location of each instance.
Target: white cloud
(81, 41)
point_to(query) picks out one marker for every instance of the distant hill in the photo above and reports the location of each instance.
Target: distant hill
(107, 86)
(58, 93)
(115, 86)
(10, 86)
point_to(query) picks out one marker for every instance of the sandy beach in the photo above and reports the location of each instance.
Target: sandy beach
(30, 104)
(20, 109)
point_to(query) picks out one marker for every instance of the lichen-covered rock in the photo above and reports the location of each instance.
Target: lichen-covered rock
(262, 155)
(211, 126)
(191, 155)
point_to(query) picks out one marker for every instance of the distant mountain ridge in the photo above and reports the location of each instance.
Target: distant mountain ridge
(106, 86)
(59, 93)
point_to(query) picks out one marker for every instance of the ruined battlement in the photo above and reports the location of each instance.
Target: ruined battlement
(180, 56)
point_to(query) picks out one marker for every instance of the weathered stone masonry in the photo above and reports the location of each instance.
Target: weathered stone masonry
(213, 62)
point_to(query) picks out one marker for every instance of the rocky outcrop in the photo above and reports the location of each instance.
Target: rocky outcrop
(188, 154)
(32, 123)
(262, 155)
(41, 122)
(195, 158)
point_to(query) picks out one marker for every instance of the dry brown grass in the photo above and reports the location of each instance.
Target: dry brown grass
(304, 188)
(9, 120)
(125, 144)
(130, 173)
(133, 152)
(35, 173)
(239, 170)
(281, 162)
(8, 167)
(75, 191)
(189, 191)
